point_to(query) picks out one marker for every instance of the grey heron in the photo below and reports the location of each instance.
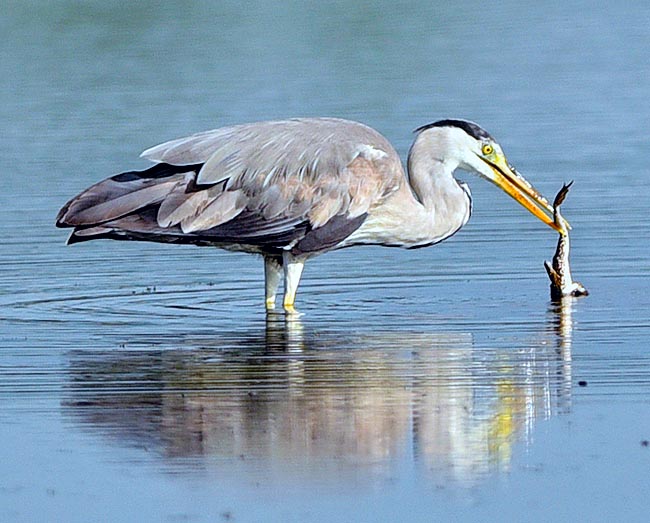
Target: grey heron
(291, 189)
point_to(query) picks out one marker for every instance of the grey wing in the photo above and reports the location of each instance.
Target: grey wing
(291, 172)
(302, 183)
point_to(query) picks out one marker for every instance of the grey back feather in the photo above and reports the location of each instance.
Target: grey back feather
(314, 168)
(279, 176)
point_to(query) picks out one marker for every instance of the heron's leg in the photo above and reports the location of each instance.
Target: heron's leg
(272, 275)
(292, 271)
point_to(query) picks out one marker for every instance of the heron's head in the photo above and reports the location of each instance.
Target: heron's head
(467, 146)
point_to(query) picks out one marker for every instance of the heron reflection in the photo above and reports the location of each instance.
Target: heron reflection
(326, 404)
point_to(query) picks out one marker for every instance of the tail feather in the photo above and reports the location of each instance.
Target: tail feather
(139, 225)
(121, 195)
(165, 204)
(90, 210)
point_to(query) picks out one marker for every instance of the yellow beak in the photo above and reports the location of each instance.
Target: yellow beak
(515, 185)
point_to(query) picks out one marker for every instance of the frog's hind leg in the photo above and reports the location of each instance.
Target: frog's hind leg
(553, 275)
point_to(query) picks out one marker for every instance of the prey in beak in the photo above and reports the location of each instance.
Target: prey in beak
(559, 272)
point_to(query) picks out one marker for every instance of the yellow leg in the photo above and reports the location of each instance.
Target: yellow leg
(292, 271)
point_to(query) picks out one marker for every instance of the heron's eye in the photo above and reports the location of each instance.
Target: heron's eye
(487, 149)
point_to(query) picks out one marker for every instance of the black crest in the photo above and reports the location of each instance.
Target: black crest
(474, 130)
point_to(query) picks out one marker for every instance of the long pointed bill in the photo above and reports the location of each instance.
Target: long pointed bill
(515, 185)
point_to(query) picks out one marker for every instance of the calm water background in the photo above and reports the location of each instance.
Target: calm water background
(144, 382)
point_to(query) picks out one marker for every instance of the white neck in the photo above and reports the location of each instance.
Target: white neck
(429, 206)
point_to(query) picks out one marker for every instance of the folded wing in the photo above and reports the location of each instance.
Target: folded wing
(261, 186)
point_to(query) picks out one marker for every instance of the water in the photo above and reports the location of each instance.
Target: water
(146, 382)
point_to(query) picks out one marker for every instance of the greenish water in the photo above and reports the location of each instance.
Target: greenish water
(145, 382)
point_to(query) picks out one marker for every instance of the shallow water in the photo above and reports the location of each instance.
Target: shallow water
(145, 381)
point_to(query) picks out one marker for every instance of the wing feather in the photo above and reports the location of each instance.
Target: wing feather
(220, 210)
(278, 181)
(110, 199)
(183, 203)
